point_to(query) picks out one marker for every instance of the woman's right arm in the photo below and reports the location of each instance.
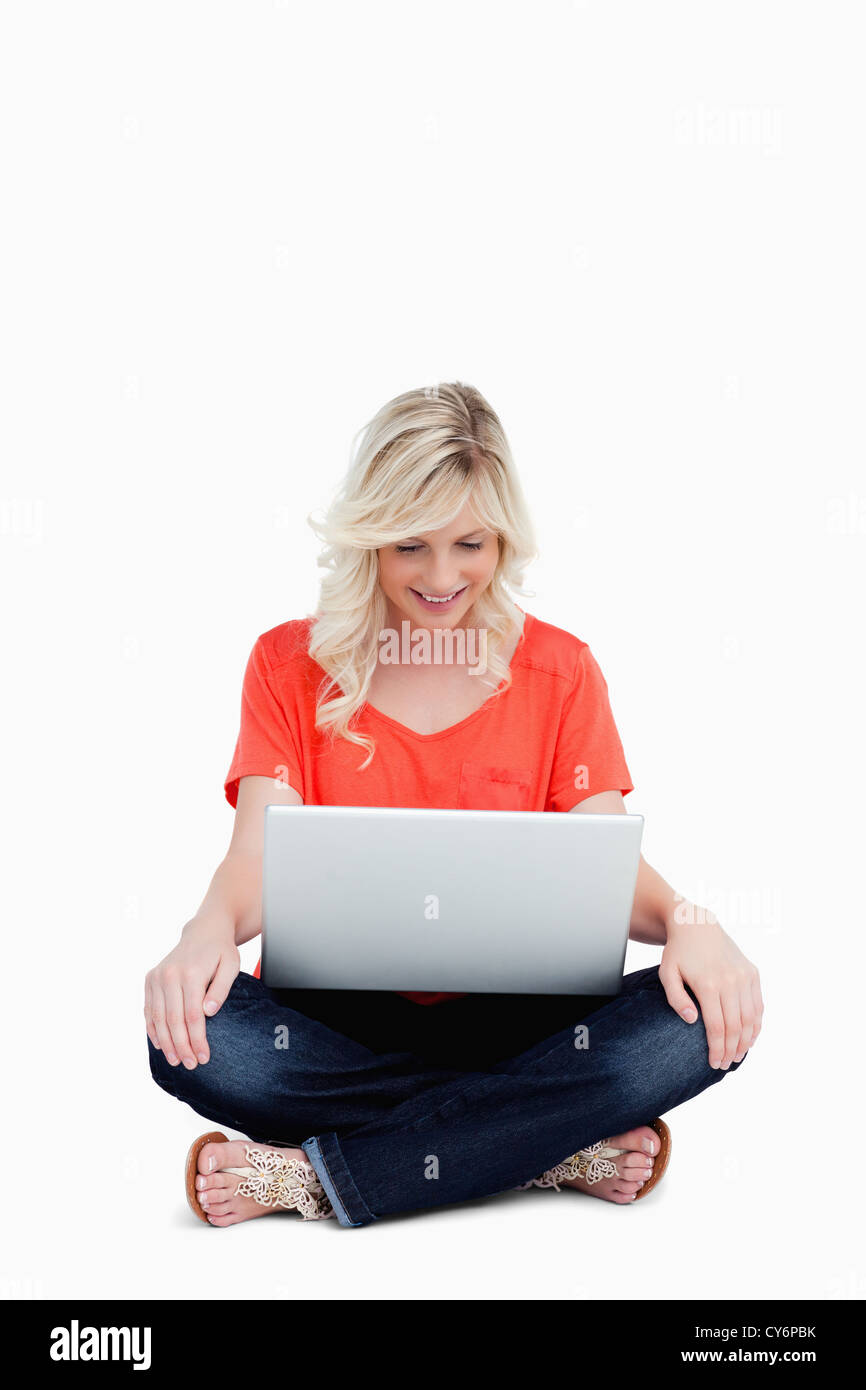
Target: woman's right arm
(192, 982)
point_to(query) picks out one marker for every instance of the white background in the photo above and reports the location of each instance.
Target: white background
(232, 232)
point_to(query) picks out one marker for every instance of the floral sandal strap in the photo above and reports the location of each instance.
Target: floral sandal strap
(273, 1180)
(591, 1164)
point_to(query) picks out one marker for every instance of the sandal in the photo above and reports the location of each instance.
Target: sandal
(272, 1180)
(593, 1163)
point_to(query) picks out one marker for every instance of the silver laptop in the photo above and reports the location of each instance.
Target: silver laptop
(513, 902)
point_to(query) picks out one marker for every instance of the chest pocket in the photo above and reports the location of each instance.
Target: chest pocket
(486, 788)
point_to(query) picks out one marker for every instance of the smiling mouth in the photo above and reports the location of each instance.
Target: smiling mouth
(439, 598)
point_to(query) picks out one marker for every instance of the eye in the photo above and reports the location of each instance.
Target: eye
(410, 549)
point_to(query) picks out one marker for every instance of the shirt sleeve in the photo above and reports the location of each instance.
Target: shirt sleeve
(267, 745)
(588, 757)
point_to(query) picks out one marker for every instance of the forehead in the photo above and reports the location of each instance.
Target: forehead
(466, 523)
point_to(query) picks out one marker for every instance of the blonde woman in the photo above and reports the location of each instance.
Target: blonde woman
(381, 1102)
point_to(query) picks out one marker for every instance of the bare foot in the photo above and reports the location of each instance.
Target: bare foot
(216, 1191)
(633, 1168)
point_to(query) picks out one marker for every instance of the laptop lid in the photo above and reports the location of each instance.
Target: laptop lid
(517, 902)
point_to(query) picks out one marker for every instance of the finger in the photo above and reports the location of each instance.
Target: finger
(758, 1000)
(679, 1000)
(148, 1013)
(160, 1024)
(193, 991)
(221, 983)
(714, 1023)
(733, 1024)
(747, 1020)
(176, 1023)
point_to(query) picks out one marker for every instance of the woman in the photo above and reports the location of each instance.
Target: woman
(376, 1102)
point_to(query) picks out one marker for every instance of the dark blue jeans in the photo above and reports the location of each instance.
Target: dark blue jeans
(401, 1106)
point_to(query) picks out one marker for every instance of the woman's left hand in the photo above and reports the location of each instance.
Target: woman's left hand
(700, 954)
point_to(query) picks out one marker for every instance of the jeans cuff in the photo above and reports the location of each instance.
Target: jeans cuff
(327, 1158)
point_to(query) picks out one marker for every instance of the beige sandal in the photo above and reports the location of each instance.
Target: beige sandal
(594, 1163)
(272, 1180)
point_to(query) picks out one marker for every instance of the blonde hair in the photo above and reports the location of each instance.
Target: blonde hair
(420, 459)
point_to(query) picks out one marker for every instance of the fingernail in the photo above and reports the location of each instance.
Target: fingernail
(172, 1060)
(202, 1057)
(210, 1006)
(689, 1015)
(189, 1063)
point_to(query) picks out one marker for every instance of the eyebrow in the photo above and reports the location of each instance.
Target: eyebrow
(479, 531)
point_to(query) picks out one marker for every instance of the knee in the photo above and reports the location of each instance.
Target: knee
(689, 1054)
(184, 1083)
(162, 1073)
(664, 1048)
(224, 1039)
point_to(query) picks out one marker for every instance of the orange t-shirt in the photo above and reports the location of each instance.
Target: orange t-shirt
(545, 744)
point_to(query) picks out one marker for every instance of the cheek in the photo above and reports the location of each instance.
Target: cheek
(483, 568)
(390, 573)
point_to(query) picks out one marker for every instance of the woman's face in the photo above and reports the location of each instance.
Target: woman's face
(455, 563)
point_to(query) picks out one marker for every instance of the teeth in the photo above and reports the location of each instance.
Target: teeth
(432, 598)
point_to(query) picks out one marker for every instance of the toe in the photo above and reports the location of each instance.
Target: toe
(218, 1206)
(634, 1159)
(635, 1166)
(217, 1182)
(642, 1140)
(216, 1156)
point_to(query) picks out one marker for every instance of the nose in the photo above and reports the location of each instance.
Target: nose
(441, 577)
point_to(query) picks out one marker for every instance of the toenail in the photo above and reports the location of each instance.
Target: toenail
(200, 1182)
(211, 1164)
(648, 1145)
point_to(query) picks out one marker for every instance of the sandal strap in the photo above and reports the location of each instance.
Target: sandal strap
(273, 1180)
(591, 1164)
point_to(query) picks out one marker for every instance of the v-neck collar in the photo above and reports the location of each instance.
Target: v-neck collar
(516, 660)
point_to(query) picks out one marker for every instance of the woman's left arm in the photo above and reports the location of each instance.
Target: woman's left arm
(697, 952)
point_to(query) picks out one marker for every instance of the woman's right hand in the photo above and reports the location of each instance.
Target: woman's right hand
(192, 982)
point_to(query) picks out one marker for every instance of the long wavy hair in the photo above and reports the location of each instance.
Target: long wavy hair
(420, 459)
